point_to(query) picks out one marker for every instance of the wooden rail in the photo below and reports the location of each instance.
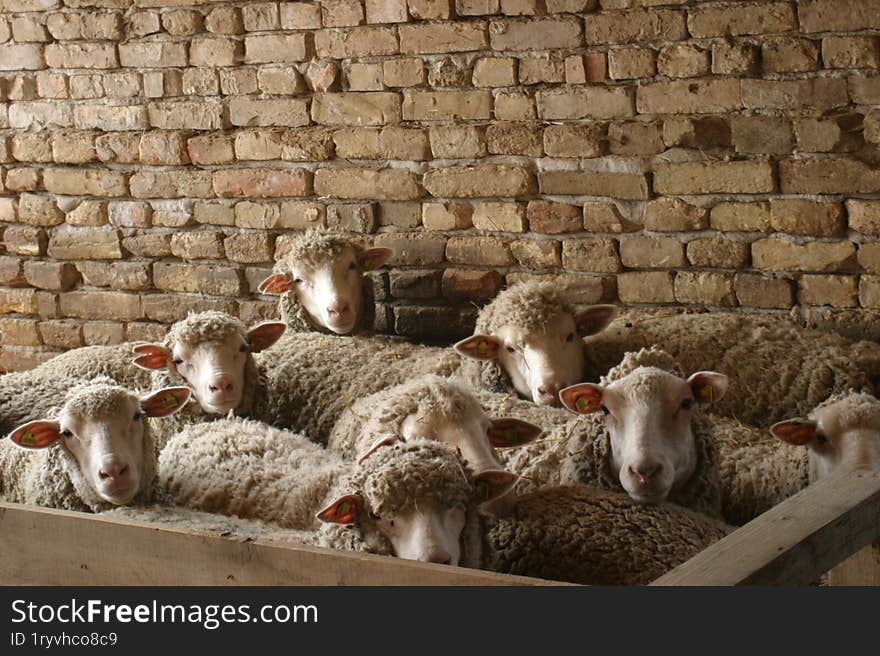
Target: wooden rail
(41, 546)
(798, 541)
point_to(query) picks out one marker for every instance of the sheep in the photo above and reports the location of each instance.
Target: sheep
(244, 468)
(322, 286)
(777, 369)
(96, 452)
(528, 341)
(841, 434)
(312, 378)
(428, 407)
(213, 353)
(113, 361)
(650, 442)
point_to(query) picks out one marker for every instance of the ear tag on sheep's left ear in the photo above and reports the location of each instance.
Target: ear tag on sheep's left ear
(479, 347)
(582, 399)
(36, 435)
(342, 511)
(509, 432)
(165, 401)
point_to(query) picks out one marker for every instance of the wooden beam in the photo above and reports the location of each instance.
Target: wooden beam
(794, 543)
(861, 569)
(41, 546)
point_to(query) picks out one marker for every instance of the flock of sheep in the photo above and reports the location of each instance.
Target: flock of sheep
(491, 454)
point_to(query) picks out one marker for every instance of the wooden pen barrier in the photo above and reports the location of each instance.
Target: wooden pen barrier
(829, 526)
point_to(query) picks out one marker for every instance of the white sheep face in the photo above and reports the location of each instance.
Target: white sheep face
(108, 445)
(330, 291)
(839, 437)
(541, 362)
(431, 533)
(648, 417)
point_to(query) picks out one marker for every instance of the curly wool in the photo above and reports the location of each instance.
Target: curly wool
(51, 477)
(90, 361)
(26, 396)
(776, 368)
(530, 305)
(311, 379)
(208, 326)
(313, 249)
(577, 449)
(593, 537)
(384, 412)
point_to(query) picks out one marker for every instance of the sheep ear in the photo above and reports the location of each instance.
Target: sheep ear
(479, 347)
(492, 483)
(508, 431)
(165, 401)
(583, 398)
(36, 434)
(342, 511)
(795, 431)
(708, 386)
(594, 319)
(373, 258)
(263, 335)
(152, 357)
(382, 440)
(277, 283)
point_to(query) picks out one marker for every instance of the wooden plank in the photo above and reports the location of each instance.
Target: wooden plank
(861, 569)
(41, 546)
(794, 543)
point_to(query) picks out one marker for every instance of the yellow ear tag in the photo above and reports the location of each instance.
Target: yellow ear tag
(583, 403)
(169, 401)
(28, 439)
(483, 347)
(706, 393)
(368, 264)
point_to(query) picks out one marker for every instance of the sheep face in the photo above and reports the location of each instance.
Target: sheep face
(214, 368)
(102, 428)
(330, 289)
(841, 436)
(648, 418)
(540, 358)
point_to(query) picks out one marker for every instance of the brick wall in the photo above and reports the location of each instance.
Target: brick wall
(156, 154)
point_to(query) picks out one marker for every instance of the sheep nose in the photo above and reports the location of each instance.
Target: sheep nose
(221, 385)
(549, 394)
(113, 471)
(337, 310)
(645, 472)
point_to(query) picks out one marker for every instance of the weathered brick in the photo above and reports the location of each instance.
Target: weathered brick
(637, 26)
(746, 217)
(683, 61)
(718, 253)
(119, 147)
(851, 52)
(427, 38)
(864, 216)
(789, 55)
(596, 255)
(171, 184)
(745, 177)
(81, 55)
(600, 216)
(494, 72)
(158, 53)
(760, 291)
(541, 70)
(447, 216)
(369, 108)
(822, 94)
(836, 175)
(263, 183)
(408, 72)
(537, 253)
(77, 182)
(151, 244)
(186, 115)
(740, 19)
(382, 143)
(64, 333)
(363, 76)
(762, 134)
(574, 140)
(163, 148)
(836, 291)
(23, 179)
(838, 15)
(384, 184)
(250, 112)
(39, 210)
(19, 332)
(85, 243)
(106, 26)
(276, 48)
(446, 105)
(352, 217)
(630, 186)
(598, 102)
(400, 215)
(478, 181)
(457, 141)
(674, 215)
(783, 255)
(734, 58)
(645, 287)
(535, 34)
(51, 275)
(805, 217)
(118, 275)
(705, 288)
(514, 139)
(39, 115)
(689, 97)
(22, 301)
(553, 218)
(25, 240)
(869, 291)
(646, 252)
(249, 247)
(500, 217)
(302, 145)
(631, 63)
(416, 284)
(51, 85)
(412, 248)
(428, 9)
(110, 117)
(202, 278)
(210, 149)
(469, 285)
(101, 305)
(213, 51)
(300, 15)
(487, 251)
(635, 138)
(129, 214)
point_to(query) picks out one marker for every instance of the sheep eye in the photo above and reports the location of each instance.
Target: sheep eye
(570, 337)
(243, 349)
(297, 281)
(510, 349)
(687, 404)
(605, 411)
(177, 360)
(66, 433)
(137, 416)
(352, 266)
(821, 438)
